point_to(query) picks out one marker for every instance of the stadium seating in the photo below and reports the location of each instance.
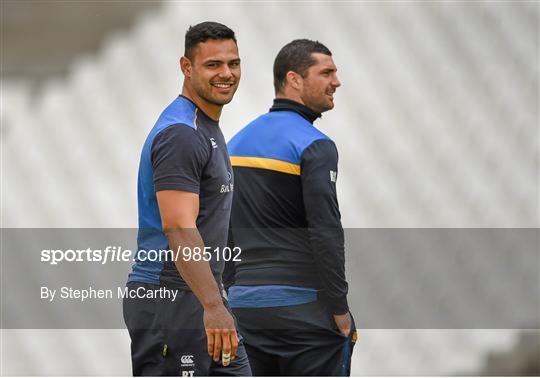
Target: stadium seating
(436, 125)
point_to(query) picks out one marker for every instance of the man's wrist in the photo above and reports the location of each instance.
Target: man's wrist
(212, 303)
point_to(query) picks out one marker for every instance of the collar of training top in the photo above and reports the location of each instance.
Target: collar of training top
(286, 104)
(199, 111)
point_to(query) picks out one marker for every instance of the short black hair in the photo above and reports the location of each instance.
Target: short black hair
(296, 56)
(203, 32)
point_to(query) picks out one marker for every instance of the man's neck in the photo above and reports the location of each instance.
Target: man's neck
(211, 110)
(290, 96)
(284, 103)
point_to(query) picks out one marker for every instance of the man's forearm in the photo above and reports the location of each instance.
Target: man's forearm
(197, 274)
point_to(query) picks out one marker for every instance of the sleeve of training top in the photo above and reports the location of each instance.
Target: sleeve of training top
(179, 155)
(319, 173)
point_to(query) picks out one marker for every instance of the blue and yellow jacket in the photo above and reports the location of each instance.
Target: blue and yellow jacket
(285, 214)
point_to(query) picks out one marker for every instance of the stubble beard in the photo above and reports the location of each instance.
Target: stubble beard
(320, 106)
(206, 95)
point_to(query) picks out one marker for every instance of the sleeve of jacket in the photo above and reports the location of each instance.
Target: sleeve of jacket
(229, 270)
(319, 174)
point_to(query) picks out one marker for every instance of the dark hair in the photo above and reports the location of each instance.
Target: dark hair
(204, 31)
(296, 56)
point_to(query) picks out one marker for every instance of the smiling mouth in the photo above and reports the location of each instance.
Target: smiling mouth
(222, 85)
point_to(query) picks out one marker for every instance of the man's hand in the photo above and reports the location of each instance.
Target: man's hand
(344, 323)
(220, 333)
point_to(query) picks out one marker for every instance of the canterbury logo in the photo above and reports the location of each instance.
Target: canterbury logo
(187, 359)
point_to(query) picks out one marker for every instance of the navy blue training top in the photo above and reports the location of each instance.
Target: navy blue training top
(184, 151)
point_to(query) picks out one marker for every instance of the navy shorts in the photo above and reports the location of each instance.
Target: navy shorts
(168, 338)
(299, 340)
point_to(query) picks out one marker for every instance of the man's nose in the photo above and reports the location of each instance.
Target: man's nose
(225, 72)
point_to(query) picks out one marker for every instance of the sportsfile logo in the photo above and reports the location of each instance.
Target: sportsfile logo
(186, 361)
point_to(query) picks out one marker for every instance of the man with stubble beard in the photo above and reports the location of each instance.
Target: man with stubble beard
(182, 209)
(289, 292)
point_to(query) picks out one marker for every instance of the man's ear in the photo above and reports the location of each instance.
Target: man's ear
(185, 66)
(294, 80)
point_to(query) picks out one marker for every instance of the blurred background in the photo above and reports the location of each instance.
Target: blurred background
(436, 123)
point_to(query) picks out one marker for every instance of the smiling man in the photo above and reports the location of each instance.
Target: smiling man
(289, 293)
(184, 164)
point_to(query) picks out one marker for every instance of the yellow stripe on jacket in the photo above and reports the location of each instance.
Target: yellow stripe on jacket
(265, 163)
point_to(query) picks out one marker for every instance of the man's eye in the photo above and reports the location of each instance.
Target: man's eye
(211, 65)
(235, 64)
